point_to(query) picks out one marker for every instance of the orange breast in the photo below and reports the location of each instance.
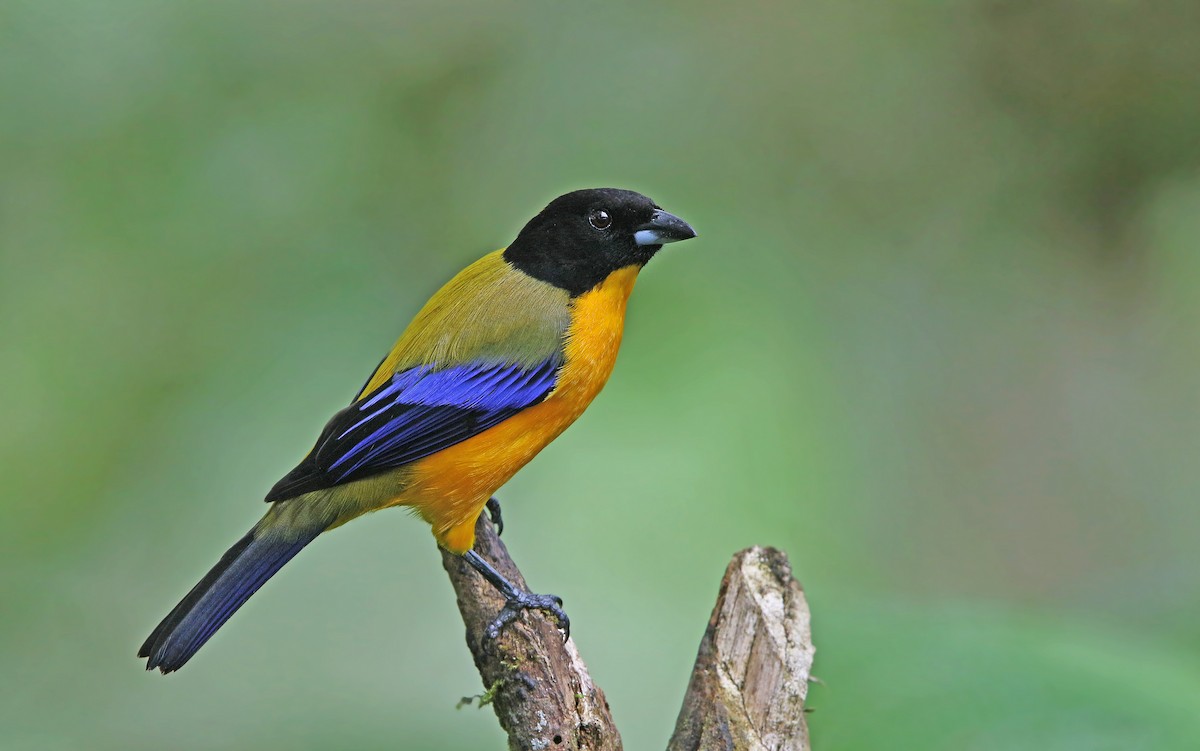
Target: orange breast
(450, 488)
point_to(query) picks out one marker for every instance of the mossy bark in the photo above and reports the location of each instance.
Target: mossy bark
(539, 686)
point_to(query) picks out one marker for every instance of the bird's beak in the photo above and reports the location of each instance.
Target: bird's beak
(663, 228)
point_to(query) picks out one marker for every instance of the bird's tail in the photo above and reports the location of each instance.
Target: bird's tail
(241, 571)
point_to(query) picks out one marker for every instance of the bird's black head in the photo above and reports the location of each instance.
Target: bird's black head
(582, 237)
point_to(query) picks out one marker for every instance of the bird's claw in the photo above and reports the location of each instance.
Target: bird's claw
(550, 604)
(515, 599)
(493, 509)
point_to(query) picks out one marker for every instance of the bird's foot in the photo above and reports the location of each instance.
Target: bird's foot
(550, 604)
(493, 509)
(516, 599)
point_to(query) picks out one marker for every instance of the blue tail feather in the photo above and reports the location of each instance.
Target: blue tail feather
(243, 569)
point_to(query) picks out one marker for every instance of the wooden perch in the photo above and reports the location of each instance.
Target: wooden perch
(540, 688)
(747, 688)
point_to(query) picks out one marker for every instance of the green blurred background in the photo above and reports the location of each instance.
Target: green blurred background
(938, 340)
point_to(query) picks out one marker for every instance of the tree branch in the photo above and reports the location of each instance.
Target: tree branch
(747, 688)
(538, 685)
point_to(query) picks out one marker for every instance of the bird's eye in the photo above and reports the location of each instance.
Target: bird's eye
(600, 219)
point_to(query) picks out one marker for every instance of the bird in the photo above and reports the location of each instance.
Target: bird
(495, 366)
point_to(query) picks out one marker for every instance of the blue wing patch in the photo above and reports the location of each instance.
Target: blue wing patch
(417, 413)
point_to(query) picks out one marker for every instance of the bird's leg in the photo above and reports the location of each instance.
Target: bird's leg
(516, 600)
(493, 509)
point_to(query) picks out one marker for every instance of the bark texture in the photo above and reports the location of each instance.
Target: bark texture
(751, 675)
(538, 684)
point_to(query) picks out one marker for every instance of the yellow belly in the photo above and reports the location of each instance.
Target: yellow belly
(450, 488)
